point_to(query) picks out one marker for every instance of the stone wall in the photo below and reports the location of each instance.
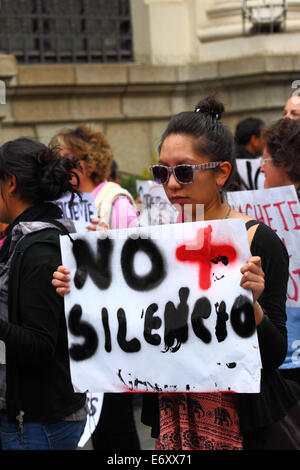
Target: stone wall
(132, 103)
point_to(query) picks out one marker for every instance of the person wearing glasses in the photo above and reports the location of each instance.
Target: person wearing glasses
(195, 165)
(280, 164)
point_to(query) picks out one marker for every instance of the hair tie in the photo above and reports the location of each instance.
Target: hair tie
(212, 114)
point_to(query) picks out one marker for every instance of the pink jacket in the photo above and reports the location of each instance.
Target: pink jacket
(123, 213)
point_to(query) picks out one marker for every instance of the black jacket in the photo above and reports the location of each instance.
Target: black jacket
(37, 361)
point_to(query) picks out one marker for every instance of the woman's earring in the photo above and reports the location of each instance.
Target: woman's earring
(10, 195)
(220, 188)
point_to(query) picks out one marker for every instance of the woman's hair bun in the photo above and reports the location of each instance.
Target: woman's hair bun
(41, 173)
(210, 106)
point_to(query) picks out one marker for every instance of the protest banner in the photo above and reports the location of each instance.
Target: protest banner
(280, 210)
(249, 171)
(155, 208)
(160, 308)
(81, 212)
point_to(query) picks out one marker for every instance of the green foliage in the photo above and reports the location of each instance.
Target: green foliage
(129, 181)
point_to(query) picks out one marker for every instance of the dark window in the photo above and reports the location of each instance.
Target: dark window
(62, 31)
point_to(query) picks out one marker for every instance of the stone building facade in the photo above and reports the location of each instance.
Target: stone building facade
(183, 50)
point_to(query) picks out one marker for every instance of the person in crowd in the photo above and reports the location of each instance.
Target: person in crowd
(114, 204)
(195, 166)
(281, 167)
(249, 146)
(292, 108)
(39, 409)
(281, 158)
(116, 209)
(248, 137)
(114, 172)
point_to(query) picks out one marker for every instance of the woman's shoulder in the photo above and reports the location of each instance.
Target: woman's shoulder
(266, 242)
(250, 223)
(41, 242)
(261, 236)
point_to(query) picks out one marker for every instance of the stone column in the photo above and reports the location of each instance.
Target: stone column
(164, 31)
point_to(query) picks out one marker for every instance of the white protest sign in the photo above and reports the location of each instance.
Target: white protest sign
(160, 308)
(249, 171)
(155, 206)
(280, 210)
(80, 211)
(95, 401)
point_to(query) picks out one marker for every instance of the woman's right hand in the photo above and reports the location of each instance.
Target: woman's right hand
(61, 280)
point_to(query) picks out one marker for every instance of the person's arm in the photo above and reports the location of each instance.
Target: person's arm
(33, 340)
(271, 331)
(254, 279)
(123, 214)
(61, 280)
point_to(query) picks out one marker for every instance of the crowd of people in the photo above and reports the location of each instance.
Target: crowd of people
(39, 408)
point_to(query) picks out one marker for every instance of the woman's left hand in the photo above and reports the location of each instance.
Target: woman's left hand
(253, 277)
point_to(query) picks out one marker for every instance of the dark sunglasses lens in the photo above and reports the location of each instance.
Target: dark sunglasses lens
(184, 174)
(160, 174)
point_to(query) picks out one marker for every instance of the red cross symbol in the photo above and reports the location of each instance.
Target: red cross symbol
(204, 255)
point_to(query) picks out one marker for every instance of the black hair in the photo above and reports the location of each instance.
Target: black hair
(41, 174)
(113, 170)
(282, 140)
(212, 138)
(246, 128)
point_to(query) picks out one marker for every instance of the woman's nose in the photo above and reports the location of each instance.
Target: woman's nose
(172, 181)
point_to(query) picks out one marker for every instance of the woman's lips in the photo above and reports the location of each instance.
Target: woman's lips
(178, 200)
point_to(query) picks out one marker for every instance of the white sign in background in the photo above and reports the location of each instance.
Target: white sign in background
(95, 401)
(280, 210)
(156, 209)
(81, 212)
(117, 334)
(249, 170)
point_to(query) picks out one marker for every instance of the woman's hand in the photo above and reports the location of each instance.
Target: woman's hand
(61, 280)
(254, 279)
(97, 224)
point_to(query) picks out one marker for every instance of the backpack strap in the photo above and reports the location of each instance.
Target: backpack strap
(62, 228)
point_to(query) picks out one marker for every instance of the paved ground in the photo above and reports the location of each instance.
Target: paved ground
(146, 441)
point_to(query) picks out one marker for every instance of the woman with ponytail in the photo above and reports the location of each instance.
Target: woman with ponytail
(38, 406)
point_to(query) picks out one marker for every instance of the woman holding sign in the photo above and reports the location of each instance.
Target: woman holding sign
(38, 406)
(195, 166)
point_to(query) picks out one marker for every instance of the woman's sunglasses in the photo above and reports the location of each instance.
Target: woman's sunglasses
(184, 174)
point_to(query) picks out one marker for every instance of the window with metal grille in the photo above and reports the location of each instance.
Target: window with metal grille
(62, 31)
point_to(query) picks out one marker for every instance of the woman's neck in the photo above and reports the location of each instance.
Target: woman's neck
(220, 210)
(18, 209)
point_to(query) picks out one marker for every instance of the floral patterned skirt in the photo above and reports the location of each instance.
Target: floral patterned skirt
(198, 421)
